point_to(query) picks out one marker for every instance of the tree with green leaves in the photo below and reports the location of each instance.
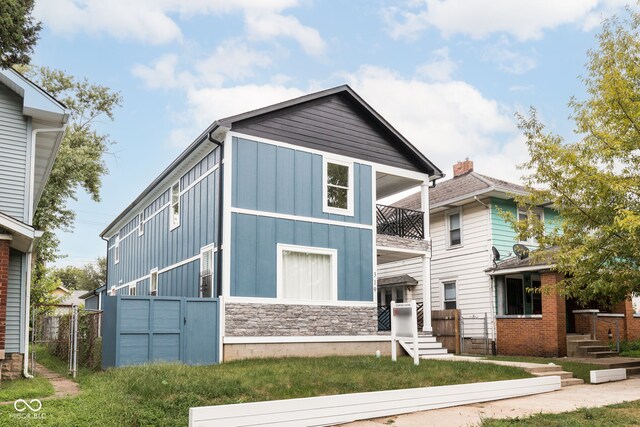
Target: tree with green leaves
(18, 32)
(89, 276)
(594, 181)
(79, 165)
(80, 161)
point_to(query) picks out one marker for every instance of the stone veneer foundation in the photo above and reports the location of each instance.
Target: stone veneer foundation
(280, 320)
(11, 366)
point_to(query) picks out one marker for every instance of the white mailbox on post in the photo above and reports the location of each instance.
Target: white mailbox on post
(404, 325)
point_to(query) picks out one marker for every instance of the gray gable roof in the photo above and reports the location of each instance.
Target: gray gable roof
(460, 187)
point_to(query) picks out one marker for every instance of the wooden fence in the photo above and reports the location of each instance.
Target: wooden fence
(446, 328)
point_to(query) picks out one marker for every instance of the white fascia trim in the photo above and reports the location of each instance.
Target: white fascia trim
(307, 339)
(404, 250)
(520, 270)
(225, 211)
(258, 300)
(300, 218)
(381, 168)
(620, 315)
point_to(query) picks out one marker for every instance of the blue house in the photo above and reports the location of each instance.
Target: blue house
(31, 129)
(273, 214)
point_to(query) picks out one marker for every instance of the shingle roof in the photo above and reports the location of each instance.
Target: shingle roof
(544, 258)
(458, 187)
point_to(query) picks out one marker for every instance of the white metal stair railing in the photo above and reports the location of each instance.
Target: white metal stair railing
(428, 348)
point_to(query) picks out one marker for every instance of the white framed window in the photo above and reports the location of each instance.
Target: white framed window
(206, 272)
(116, 250)
(132, 289)
(523, 215)
(153, 282)
(174, 220)
(307, 273)
(453, 220)
(140, 223)
(337, 189)
(449, 295)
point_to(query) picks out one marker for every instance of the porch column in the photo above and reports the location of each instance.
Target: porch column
(426, 261)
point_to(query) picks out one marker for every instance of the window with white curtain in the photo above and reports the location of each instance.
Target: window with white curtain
(307, 273)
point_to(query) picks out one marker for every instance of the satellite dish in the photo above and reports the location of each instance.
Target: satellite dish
(496, 253)
(521, 251)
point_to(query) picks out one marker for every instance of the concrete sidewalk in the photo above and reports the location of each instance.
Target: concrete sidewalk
(563, 400)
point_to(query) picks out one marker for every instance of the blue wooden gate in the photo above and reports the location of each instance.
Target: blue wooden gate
(145, 329)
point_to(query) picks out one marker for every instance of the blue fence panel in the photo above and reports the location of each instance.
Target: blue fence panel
(145, 329)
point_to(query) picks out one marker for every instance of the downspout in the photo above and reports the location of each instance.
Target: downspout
(27, 298)
(219, 213)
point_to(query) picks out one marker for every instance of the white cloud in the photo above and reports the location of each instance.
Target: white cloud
(522, 19)
(162, 74)
(232, 59)
(141, 20)
(439, 68)
(447, 121)
(272, 25)
(153, 21)
(508, 59)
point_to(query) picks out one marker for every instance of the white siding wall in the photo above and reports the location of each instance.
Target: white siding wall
(465, 265)
(13, 154)
(412, 267)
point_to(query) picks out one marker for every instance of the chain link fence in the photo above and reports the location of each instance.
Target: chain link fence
(68, 335)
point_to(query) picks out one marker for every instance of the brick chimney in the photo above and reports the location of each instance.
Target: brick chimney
(461, 168)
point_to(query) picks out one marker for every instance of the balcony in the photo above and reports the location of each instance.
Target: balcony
(399, 222)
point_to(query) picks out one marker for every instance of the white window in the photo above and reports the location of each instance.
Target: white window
(206, 272)
(453, 219)
(307, 273)
(153, 282)
(523, 215)
(116, 250)
(449, 291)
(132, 289)
(338, 187)
(141, 224)
(175, 206)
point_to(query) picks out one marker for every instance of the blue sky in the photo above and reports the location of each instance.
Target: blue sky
(449, 75)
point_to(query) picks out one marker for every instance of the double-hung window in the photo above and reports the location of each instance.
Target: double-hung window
(338, 187)
(307, 273)
(449, 295)
(175, 205)
(153, 282)
(523, 215)
(206, 273)
(116, 250)
(453, 221)
(140, 224)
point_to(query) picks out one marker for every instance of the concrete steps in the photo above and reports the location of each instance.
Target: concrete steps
(428, 348)
(566, 378)
(582, 346)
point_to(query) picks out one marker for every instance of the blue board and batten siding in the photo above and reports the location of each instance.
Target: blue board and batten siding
(279, 180)
(162, 248)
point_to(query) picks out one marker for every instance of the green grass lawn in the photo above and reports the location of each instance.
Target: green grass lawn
(624, 414)
(10, 390)
(162, 394)
(580, 370)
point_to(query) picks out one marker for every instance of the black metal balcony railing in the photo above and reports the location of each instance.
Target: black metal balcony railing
(400, 222)
(384, 317)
